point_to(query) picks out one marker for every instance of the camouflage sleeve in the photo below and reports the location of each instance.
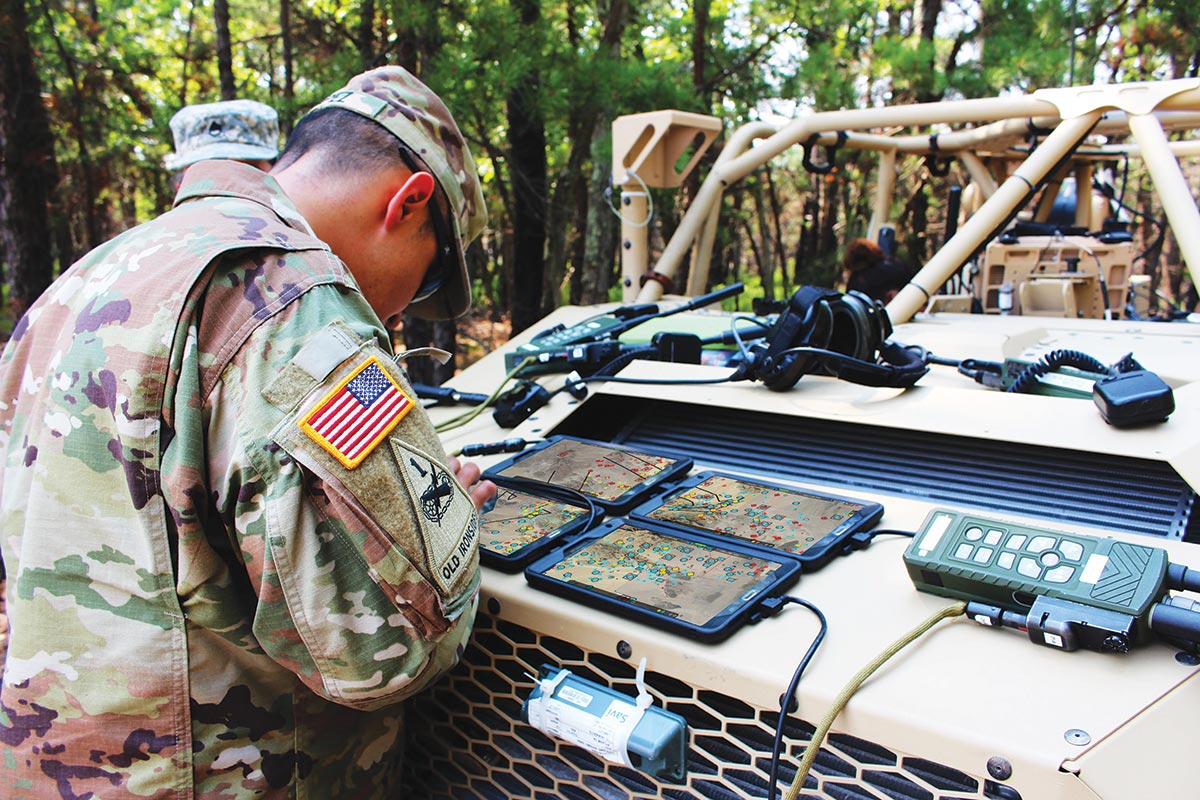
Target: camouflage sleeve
(361, 551)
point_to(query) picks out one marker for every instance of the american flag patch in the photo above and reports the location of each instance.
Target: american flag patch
(355, 416)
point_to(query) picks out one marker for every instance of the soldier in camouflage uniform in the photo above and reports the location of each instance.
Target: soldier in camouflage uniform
(242, 130)
(233, 540)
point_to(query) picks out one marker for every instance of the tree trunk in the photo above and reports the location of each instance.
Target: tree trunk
(289, 79)
(224, 50)
(91, 177)
(527, 150)
(365, 38)
(763, 249)
(925, 15)
(601, 246)
(597, 248)
(28, 172)
(700, 13)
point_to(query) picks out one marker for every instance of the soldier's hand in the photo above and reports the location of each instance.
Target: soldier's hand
(468, 473)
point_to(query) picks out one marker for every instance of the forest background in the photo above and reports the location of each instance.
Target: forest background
(87, 88)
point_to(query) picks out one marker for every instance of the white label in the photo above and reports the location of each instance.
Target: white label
(937, 529)
(606, 736)
(1093, 568)
(573, 695)
(1053, 639)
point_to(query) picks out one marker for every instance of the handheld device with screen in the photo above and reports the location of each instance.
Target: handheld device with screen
(616, 477)
(805, 524)
(524, 523)
(695, 585)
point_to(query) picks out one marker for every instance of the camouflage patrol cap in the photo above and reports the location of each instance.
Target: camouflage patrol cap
(238, 129)
(416, 116)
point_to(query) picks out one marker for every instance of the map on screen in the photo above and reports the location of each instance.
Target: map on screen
(597, 470)
(788, 520)
(520, 519)
(686, 580)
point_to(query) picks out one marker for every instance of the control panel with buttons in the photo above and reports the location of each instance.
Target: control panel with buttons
(1010, 565)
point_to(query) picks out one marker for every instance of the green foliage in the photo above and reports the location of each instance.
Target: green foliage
(113, 82)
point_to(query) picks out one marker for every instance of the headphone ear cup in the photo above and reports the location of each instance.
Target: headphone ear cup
(805, 322)
(818, 324)
(855, 329)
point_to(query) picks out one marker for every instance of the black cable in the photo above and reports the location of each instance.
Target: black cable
(625, 359)
(785, 702)
(554, 491)
(836, 356)
(930, 358)
(861, 540)
(647, 381)
(871, 534)
(1027, 378)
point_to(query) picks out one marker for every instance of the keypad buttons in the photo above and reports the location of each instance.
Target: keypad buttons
(1049, 559)
(992, 538)
(1029, 567)
(1006, 560)
(983, 555)
(1071, 551)
(973, 533)
(1060, 574)
(1015, 542)
(1039, 544)
(964, 551)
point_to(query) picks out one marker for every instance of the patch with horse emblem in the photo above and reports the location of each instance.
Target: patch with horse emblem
(445, 515)
(354, 418)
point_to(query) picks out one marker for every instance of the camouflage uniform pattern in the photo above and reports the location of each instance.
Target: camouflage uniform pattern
(240, 129)
(203, 602)
(415, 115)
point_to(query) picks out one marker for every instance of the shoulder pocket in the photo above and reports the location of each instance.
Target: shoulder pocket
(360, 431)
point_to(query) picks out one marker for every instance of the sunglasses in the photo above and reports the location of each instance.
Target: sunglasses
(445, 261)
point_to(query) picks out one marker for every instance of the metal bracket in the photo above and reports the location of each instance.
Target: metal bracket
(1132, 98)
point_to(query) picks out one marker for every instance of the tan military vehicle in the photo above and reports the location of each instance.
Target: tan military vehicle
(1062, 515)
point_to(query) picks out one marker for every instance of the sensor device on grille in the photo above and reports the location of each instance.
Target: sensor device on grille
(618, 728)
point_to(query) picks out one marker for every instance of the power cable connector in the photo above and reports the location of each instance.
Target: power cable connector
(490, 448)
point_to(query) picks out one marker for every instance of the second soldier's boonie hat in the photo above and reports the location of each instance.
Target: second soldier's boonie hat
(240, 129)
(416, 116)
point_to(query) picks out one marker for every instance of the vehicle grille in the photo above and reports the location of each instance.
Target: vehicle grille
(466, 739)
(1110, 492)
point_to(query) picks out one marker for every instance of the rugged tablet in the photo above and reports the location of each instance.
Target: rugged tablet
(806, 524)
(695, 585)
(614, 476)
(523, 524)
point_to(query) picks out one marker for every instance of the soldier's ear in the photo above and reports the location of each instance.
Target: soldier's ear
(412, 195)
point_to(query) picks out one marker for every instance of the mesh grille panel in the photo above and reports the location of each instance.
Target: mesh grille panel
(467, 741)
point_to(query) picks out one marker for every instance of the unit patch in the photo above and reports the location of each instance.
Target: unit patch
(446, 517)
(355, 417)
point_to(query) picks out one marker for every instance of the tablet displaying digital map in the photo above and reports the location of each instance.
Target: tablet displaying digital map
(600, 471)
(687, 580)
(788, 520)
(519, 519)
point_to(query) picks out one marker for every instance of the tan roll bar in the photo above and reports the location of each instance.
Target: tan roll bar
(1002, 126)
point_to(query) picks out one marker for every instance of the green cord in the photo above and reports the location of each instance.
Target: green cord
(464, 418)
(814, 746)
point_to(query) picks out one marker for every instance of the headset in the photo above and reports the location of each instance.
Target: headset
(822, 331)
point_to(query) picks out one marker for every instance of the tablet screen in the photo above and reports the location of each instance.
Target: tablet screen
(776, 516)
(686, 580)
(520, 519)
(599, 470)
